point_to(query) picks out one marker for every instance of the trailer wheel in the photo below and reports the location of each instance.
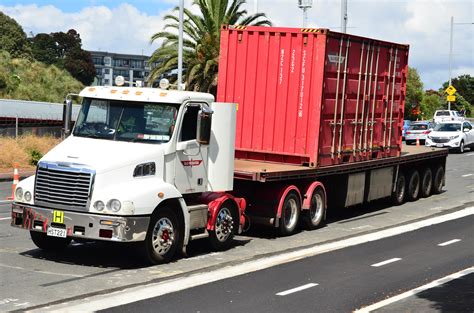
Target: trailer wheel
(398, 196)
(45, 242)
(290, 214)
(426, 183)
(438, 180)
(163, 236)
(413, 188)
(224, 229)
(315, 215)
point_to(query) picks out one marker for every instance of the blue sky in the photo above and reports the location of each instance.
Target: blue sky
(126, 26)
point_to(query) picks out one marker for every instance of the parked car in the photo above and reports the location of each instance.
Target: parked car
(454, 135)
(406, 124)
(418, 130)
(447, 115)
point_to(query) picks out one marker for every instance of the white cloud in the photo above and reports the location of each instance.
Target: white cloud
(423, 24)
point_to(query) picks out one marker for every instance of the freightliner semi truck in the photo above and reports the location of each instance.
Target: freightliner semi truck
(305, 120)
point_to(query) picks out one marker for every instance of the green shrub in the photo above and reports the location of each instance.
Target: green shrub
(35, 156)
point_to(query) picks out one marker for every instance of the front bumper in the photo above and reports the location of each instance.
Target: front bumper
(454, 143)
(81, 225)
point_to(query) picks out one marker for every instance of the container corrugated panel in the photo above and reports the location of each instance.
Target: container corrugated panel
(312, 96)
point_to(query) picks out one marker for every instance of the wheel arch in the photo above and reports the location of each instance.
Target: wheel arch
(283, 194)
(182, 215)
(309, 193)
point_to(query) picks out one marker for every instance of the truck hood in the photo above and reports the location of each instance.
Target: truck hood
(102, 155)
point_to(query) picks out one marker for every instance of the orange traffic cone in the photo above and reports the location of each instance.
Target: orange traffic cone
(417, 142)
(16, 180)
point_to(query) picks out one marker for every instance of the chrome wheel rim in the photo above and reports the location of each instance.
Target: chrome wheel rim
(224, 225)
(163, 236)
(316, 208)
(290, 213)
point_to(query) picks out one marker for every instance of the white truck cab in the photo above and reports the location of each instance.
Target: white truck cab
(141, 164)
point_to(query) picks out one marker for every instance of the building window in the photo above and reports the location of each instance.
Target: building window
(106, 82)
(107, 71)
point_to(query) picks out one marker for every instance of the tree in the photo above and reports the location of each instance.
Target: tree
(432, 101)
(13, 38)
(414, 93)
(201, 41)
(64, 50)
(464, 85)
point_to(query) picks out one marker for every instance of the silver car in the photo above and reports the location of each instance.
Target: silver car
(418, 130)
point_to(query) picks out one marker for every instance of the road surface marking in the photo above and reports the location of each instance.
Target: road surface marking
(361, 227)
(470, 154)
(466, 175)
(36, 271)
(413, 292)
(134, 294)
(5, 218)
(5, 201)
(449, 242)
(290, 291)
(386, 262)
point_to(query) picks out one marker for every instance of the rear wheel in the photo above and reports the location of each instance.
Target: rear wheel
(45, 242)
(224, 228)
(438, 180)
(413, 189)
(314, 216)
(398, 196)
(163, 236)
(290, 214)
(426, 183)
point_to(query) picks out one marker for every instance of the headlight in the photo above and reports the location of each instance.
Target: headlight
(453, 137)
(114, 205)
(28, 196)
(99, 205)
(19, 193)
(429, 137)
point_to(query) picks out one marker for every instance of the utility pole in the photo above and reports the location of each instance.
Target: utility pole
(343, 16)
(180, 45)
(450, 56)
(305, 5)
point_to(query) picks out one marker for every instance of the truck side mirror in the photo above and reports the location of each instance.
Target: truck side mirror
(204, 127)
(67, 116)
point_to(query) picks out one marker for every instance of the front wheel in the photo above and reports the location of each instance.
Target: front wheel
(45, 242)
(314, 216)
(461, 147)
(163, 237)
(398, 196)
(290, 214)
(224, 229)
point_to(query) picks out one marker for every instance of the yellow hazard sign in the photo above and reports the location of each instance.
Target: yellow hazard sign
(451, 98)
(450, 90)
(58, 217)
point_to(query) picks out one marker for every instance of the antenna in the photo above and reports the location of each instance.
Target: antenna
(305, 5)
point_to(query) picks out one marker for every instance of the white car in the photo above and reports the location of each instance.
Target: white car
(453, 135)
(447, 115)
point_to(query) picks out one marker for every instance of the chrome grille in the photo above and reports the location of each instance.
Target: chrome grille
(63, 186)
(440, 140)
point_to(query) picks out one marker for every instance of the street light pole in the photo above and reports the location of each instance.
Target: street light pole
(305, 5)
(450, 56)
(343, 16)
(180, 45)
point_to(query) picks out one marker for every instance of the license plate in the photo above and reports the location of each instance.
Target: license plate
(56, 232)
(439, 145)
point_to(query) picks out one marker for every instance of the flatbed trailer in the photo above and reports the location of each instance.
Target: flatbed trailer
(417, 172)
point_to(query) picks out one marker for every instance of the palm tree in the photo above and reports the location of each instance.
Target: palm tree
(200, 42)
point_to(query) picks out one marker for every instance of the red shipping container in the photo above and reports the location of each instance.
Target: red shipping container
(312, 96)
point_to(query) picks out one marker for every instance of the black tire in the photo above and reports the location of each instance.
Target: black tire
(461, 147)
(45, 242)
(398, 196)
(290, 214)
(163, 237)
(224, 228)
(413, 186)
(408, 142)
(426, 183)
(438, 180)
(314, 217)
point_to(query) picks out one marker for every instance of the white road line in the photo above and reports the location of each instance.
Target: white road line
(466, 175)
(470, 154)
(413, 292)
(5, 218)
(5, 201)
(130, 295)
(448, 242)
(386, 262)
(287, 292)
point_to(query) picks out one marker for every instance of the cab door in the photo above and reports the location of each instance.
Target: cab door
(191, 157)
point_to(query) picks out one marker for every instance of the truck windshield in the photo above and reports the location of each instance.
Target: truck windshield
(448, 127)
(126, 121)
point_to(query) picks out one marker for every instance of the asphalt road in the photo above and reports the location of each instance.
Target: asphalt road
(31, 278)
(339, 281)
